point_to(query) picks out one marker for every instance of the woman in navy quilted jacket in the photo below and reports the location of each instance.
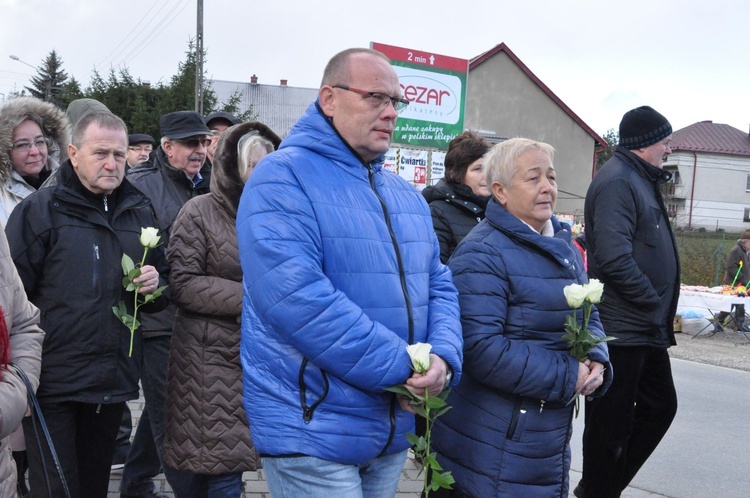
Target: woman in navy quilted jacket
(509, 430)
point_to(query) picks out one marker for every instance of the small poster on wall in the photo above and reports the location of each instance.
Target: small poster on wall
(437, 167)
(413, 167)
(391, 160)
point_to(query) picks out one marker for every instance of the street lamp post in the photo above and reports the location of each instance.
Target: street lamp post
(16, 58)
(48, 92)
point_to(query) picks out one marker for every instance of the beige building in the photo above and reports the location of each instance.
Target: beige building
(507, 100)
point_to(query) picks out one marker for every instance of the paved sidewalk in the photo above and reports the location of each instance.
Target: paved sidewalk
(410, 485)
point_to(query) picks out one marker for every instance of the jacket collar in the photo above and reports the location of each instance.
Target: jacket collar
(646, 170)
(558, 246)
(177, 175)
(70, 189)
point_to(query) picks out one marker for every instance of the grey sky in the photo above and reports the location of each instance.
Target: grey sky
(689, 59)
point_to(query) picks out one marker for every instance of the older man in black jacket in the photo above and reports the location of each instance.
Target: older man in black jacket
(632, 250)
(67, 243)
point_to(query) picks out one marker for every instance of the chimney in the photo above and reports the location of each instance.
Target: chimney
(283, 82)
(253, 80)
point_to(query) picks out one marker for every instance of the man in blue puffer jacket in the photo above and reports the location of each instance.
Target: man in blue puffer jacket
(341, 272)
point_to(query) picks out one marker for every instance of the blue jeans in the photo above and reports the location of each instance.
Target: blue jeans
(208, 486)
(225, 485)
(144, 461)
(311, 477)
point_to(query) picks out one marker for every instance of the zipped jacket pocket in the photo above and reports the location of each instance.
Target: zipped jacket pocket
(308, 411)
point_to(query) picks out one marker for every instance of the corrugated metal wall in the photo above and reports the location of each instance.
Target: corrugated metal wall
(277, 106)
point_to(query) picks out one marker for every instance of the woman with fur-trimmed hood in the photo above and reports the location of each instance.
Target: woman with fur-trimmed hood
(207, 433)
(30, 129)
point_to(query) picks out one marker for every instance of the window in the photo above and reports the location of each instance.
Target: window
(747, 185)
(677, 181)
(747, 215)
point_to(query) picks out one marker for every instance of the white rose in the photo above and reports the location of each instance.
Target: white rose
(594, 290)
(420, 356)
(150, 237)
(575, 294)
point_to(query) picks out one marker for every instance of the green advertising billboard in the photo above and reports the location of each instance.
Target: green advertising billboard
(435, 86)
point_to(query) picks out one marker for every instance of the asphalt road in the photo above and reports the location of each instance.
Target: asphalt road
(706, 452)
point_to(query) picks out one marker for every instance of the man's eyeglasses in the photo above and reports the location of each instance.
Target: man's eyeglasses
(147, 149)
(25, 145)
(377, 99)
(193, 143)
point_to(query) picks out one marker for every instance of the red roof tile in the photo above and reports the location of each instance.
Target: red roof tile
(707, 136)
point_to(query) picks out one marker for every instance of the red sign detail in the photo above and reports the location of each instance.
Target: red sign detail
(420, 58)
(420, 174)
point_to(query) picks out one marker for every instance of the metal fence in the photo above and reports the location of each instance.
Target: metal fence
(703, 255)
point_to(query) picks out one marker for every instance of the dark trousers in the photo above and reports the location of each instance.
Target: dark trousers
(122, 446)
(144, 461)
(625, 426)
(84, 438)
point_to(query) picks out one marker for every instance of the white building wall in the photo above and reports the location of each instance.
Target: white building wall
(720, 195)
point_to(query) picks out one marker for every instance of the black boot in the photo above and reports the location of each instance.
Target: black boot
(22, 465)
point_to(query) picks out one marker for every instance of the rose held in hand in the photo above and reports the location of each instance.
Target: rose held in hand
(420, 356)
(578, 336)
(594, 290)
(430, 408)
(150, 237)
(575, 295)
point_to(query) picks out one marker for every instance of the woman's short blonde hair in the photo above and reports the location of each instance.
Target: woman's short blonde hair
(249, 142)
(500, 161)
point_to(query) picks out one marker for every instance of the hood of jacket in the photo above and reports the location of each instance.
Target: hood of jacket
(13, 112)
(226, 184)
(314, 131)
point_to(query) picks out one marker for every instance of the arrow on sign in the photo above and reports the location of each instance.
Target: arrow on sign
(432, 60)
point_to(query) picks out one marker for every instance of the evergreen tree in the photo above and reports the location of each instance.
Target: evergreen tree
(72, 92)
(49, 83)
(611, 137)
(181, 95)
(233, 105)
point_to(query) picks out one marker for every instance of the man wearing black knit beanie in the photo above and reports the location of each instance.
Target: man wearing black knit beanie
(632, 250)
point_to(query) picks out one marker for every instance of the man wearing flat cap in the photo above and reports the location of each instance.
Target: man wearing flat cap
(177, 173)
(140, 146)
(217, 122)
(632, 250)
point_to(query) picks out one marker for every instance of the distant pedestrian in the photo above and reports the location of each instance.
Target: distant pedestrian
(140, 146)
(218, 122)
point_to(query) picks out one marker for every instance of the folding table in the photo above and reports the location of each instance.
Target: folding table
(715, 304)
